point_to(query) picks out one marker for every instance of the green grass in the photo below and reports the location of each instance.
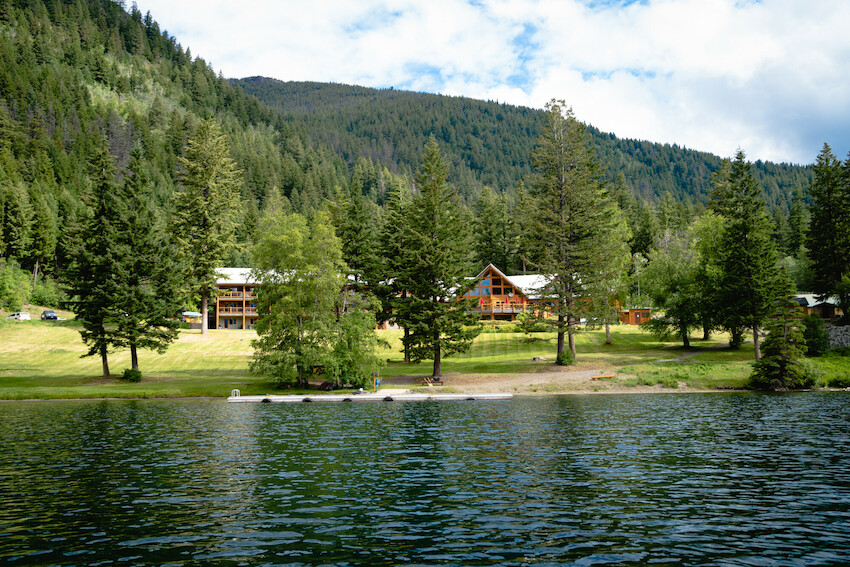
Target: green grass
(42, 359)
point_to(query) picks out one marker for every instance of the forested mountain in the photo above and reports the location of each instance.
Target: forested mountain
(74, 72)
(490, 143)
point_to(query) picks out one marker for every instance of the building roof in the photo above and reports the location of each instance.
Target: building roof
(529, 285)
(234, 276)
(811, 300)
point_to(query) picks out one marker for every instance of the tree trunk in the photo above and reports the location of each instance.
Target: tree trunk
(706, 333)
(560, 349)
(572, 339)
(756, 341)
(134, 357)
(438, 359)
(204, 314)
(686, 340)
(607, 333)
(35, 273)
(404, 345)
(104, 362)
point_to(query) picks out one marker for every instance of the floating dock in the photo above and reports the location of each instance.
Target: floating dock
(385, 395)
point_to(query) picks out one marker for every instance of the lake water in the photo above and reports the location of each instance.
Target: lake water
(715, 479)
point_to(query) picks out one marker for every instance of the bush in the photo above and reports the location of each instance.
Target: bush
(839, 382)
(47, 293)
(565, 358)
(528, 323)
(131, 375)
(816, 335)
(769, 375)
(15, 285)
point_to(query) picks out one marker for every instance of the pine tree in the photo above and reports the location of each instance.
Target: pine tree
(205, 215)
(779, 368)
(357, 233)
(829, 232)
(495, 242)
(577, 223)
(146, 274)
(93, 256)
(435, 267)
(391, 249)
(748, 257)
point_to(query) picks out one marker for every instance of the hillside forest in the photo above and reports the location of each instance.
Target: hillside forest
(106, 122)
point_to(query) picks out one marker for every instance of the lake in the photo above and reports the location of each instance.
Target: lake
(661, 479)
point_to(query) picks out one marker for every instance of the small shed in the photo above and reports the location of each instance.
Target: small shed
(635, 315)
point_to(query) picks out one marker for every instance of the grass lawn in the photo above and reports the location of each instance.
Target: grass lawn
(42, 359)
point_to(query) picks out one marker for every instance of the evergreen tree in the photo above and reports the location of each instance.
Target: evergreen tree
(494, 238)
(357, 233)
(147, 276)
(205, 215)
(784, 347)
(829, 232)
(45, 234)
(435, 267)
(748, 257)
(577, 223)
(388, 288)
(17, 220)
(93, 255)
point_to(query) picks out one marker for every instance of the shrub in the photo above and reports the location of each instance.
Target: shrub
(816, 335)
(131, 375)
(565, 358)
(839, 382)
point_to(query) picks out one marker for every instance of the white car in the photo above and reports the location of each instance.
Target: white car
(20, 316)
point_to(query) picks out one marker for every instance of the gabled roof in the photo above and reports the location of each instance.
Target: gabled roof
(234, 276)
(811, 300)
(529, 285)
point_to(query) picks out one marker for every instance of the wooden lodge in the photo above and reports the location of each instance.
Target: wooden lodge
(236, 304)
(501, 297)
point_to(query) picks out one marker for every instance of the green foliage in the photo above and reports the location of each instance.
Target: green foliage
(829, 236)
(47, 292)
(815, 335)
(299, 264)
(131, 375)
(353, 358)
(490, 143)
(565, 358)
(780, 366)
(748, 276)
(434, 266)
(204, 217)
(14, 285)
(581, 239)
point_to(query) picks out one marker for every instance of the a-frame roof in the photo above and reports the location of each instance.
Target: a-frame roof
(529, 284)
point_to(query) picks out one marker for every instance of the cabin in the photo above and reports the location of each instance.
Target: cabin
(635, 315)
(826, 309)
(501, 297)
(236, 304)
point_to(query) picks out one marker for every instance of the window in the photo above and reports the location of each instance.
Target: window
(497, 291)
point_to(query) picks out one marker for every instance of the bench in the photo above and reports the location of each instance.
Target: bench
(604, 377)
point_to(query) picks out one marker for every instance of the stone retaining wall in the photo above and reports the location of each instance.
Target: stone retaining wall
(839, 336)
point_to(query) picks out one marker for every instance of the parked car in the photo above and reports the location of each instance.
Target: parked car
(49, 314)
(20, 316)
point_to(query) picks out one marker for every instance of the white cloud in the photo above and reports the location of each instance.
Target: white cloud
(772, 77)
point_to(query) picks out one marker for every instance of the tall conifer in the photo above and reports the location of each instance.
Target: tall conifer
(435, 267)
(579, 228)
(206, 209)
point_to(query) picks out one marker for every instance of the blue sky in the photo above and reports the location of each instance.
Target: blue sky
(771, 77)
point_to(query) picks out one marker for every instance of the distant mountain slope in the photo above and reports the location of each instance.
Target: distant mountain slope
(487, 142)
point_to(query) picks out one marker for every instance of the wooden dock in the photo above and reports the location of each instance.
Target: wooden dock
(395, 395)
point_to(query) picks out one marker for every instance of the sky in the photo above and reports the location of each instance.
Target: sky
(771, 77)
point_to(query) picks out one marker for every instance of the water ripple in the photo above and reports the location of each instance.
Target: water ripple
(629, 480)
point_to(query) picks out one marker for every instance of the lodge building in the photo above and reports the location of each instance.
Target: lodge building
(496, 296)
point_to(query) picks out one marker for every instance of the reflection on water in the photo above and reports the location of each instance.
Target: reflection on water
(725, 479)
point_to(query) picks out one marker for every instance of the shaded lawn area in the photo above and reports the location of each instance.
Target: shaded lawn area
(41, 359)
